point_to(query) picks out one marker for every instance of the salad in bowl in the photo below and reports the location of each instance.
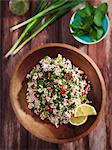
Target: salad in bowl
(55, 89)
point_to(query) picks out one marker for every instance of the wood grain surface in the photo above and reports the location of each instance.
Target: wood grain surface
(12, 135)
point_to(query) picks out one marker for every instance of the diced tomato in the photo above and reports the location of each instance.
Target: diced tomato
(83, 93)
(49, 88)
(32, 86)
(62, 90)
(69, 76)
(49, 108)
(86, 86)
(36, 95)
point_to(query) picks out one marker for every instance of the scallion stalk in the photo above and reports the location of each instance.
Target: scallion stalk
(42, 5)
(55, 5)
(49, 21)
(59, 8)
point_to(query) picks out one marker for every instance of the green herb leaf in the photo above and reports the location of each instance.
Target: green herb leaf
(88, 9)
(33, 71)
(93, 34)
(40, 82)
(79, 32)
(56, 89)
(81, 12)
(88, 23)
(42, 106)
(52, 77)
(40, 90)
(61, 76)
(103, 8)
(100, 32)
(98, 18)
(74, 27)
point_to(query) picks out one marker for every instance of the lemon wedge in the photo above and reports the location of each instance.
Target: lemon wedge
(77, 121)
(85, 110)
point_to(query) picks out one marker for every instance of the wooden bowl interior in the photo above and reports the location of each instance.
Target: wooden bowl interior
(30, 121)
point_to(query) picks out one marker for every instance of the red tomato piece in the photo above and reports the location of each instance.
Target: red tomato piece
(32, 86)
(62, 90)
(49, 108)
(83, 93)
(36, 95)
(86, 86)
(69, 76)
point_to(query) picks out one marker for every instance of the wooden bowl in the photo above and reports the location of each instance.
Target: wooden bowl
(45, 130)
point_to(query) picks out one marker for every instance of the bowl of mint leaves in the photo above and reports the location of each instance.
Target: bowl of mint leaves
(90, 24)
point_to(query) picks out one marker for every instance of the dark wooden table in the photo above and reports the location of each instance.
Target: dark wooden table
(12, 134)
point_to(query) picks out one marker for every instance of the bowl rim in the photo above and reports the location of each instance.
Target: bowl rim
(89, 43)
(101, 79)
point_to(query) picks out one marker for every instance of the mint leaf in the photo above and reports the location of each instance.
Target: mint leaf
(73, 26)
(98, 18)
(93, 34)
(88, 23)
(100, 32)
(89, 9)
(103, 8)
(78, 32)
(82, 13)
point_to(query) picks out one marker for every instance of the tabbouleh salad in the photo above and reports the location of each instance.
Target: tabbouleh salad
(55, 88)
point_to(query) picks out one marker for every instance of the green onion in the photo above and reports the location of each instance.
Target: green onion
(42, 5)
(52, 19)
(48, 22)
(55, 9)
(41, 14)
